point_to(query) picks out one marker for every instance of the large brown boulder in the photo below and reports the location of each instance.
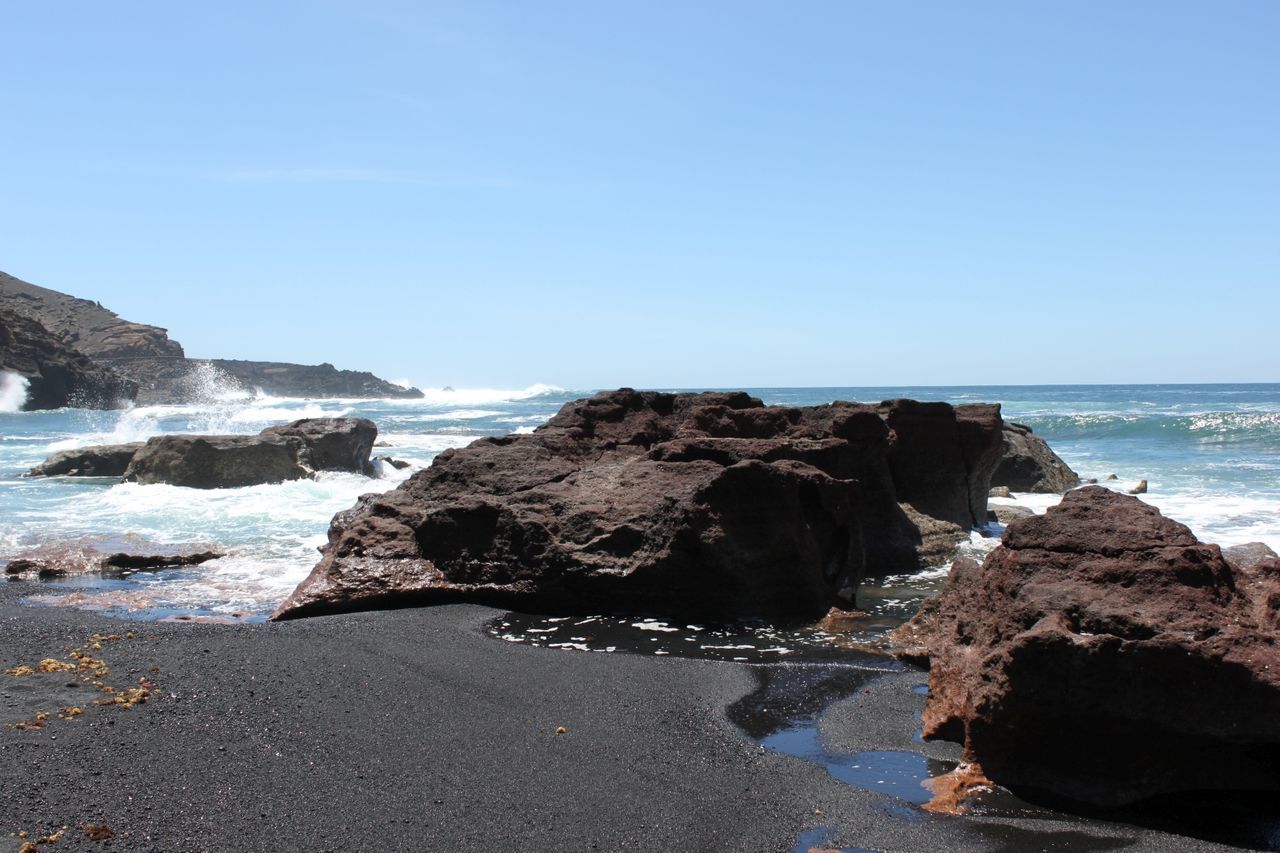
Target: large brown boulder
(57, 375)
(1028, 464)
(1104, 655)
(707, 505)
(290, 452)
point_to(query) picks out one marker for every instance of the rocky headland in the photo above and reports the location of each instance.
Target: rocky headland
(163, 381)
(707, 505)
(75, 352)
(1103, 655)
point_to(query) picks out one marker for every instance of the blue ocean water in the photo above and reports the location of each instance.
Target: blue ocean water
(1210, 454)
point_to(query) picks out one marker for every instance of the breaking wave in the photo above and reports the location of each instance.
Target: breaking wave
(13, 391)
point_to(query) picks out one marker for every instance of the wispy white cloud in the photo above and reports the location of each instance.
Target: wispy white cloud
(356, 176)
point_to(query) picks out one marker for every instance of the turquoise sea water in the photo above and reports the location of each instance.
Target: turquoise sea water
(1210, 453)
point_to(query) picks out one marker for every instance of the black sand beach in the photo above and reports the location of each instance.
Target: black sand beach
(411, 730)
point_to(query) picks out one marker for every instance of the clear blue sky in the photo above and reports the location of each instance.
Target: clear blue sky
(667, 194)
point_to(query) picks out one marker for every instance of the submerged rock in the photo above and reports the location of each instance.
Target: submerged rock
(293, 451)
(106, 556)
(57, 375)
(709, 505)
(105, 460)
(1028, 464)
(1104, 655)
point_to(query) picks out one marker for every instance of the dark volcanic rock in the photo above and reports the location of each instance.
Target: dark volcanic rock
(58, 376)
(290, 452)
(83, 325)
(1104, 655)
(104, 460)
(331, 444)
(1028, 464)
(106, 556)
(217, 461)
(179, 380)
(708, 505)
(943, 457)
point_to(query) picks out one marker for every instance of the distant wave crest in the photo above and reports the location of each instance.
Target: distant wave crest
(471, 397)
(1203, 427)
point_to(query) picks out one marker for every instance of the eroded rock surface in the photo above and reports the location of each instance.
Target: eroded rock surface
(711, 505)
(1103, 654)
(1028, 464)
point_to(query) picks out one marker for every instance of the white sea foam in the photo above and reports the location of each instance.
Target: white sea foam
(431, 442)
(468, 414)
(482, 396)
(13, 391)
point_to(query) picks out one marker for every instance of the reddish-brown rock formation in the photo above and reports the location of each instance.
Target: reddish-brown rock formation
(1103, 654)
(710, 505)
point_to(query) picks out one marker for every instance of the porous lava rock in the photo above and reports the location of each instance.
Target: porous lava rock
(291, 452)
(1103, 655)
(1028, 464)
(103, 460)
(57, 375)
(707, 505)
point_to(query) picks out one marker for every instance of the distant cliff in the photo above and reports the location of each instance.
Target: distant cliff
(181, 380)
(57, 375)
(126, 354)
(83, 325)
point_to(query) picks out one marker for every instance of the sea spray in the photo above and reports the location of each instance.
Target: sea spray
(13, 391)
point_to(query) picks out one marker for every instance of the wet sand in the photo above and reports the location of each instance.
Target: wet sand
(412, 730)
